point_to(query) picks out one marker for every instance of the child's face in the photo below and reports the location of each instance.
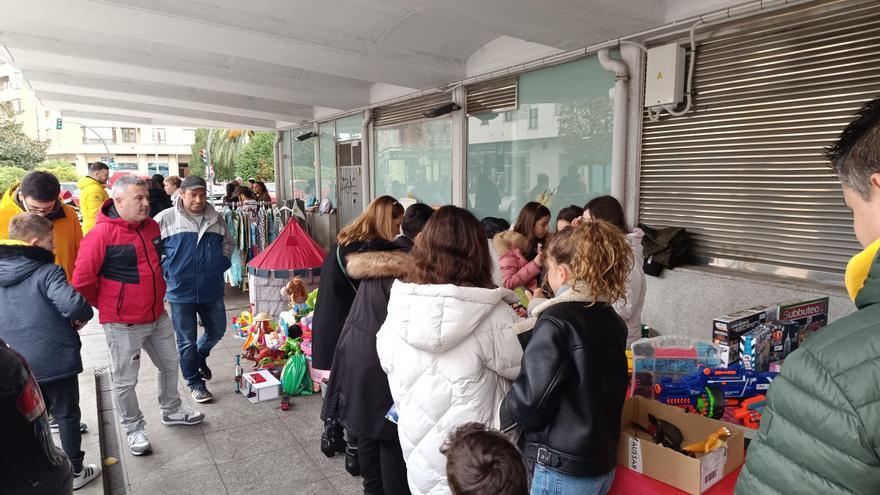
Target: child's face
(541, 227)
(562, 224)
(47, 243)
(557, 274)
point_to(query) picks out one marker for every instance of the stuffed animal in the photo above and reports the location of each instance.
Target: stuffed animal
(298, 293)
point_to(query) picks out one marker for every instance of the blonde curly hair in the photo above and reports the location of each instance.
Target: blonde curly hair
(599, 256)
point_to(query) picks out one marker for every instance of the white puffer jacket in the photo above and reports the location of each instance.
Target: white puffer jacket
(631, 309)
(450, 354)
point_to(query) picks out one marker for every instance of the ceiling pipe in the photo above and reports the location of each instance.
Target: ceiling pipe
(619, 132)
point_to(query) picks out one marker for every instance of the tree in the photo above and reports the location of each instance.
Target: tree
(9, 176)
(61, 169)
(226, 144)
(257, 158)
(16, 148)
(585, 131)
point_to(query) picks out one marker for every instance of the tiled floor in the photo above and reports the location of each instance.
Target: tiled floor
(240, 448)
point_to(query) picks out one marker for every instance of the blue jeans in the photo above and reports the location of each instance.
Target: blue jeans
(194, 352)
(547, 481)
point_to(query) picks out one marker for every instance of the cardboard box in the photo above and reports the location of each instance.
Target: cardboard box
(727, 330)
(784, 339)
(260, 385)
(810, 314)
(637, 451)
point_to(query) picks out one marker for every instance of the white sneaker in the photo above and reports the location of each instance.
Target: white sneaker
(182, 416)
(88, 473)
(138, 443)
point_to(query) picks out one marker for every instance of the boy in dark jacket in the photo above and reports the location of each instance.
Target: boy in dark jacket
(41, 316)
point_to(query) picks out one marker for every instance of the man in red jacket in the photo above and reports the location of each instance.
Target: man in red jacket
(118, 272)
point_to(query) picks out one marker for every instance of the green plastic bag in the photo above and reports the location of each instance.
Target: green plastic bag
(295, 377)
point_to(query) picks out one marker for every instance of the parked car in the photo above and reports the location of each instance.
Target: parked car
(30, 463)
(270, 188)
(70, 193)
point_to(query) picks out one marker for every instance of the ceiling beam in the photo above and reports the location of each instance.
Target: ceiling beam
(96, 23)
(169, 95)
(62, 101)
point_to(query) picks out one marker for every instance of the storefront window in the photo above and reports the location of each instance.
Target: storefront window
(303, 153)
(556, 148)
(349, 128)
(328, 161)
(415, 161)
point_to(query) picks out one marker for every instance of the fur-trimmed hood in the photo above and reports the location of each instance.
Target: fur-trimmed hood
(379, 264)
(509, 240)
(538, 306)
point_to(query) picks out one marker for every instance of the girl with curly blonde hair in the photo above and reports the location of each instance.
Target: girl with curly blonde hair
(569, 395)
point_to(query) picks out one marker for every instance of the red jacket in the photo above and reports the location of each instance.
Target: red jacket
(118, 270)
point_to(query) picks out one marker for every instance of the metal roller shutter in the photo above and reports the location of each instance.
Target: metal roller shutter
(496, 96)
(744, 172)
(408, 111)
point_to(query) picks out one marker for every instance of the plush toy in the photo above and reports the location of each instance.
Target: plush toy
(298, 293)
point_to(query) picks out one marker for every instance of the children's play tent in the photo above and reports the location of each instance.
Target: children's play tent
(292, 254)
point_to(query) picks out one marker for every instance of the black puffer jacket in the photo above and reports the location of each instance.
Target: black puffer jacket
(358, 394)
(569, 395)
(37, 306)
(336, 292)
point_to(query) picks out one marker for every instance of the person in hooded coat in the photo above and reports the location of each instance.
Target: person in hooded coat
(357, 393)
(447, 344)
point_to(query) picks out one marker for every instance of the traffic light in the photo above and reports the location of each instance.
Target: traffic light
(58, 123)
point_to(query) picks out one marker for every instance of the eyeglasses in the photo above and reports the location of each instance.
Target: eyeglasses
(38, 210)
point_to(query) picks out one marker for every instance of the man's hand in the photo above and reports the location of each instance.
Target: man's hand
(77, 324)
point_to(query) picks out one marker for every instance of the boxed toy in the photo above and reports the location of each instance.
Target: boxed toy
(784, 339)
(638, 451)
(727, 330)
(755, 348)
(260, 385)
(810, 314)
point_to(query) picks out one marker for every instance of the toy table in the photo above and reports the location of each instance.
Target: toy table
(627, 481)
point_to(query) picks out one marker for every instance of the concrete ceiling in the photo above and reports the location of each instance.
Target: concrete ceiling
(268, 63)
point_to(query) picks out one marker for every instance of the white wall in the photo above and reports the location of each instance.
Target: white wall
(686, 300)
(505, 51)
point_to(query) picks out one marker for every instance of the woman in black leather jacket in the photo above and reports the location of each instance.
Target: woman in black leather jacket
(569, 395)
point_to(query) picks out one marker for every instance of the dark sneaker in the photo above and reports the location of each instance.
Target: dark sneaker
(88, 473)
(182, 416)
(205, 371)
(53, 425)
(352, 462)
(202, 395)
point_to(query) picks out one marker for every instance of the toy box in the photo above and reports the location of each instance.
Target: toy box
(810, 314)
(784, 339)
(755, 348)
(668, 356)
(260, 385)
(727, 330)
(638, 452)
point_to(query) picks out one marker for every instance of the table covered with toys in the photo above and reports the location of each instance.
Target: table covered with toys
(694, 404)
(275, 358)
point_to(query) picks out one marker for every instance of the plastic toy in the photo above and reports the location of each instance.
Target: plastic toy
(237, 376)
(713, 442)
(749, 412)
(709, 390)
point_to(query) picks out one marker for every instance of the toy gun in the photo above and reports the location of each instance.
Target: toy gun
(749, 412)
(709, 390)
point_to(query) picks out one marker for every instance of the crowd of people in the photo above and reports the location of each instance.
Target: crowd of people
(127, 266)
(436, 383)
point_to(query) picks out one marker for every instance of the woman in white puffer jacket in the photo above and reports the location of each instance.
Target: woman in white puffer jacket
(447, 344)
(630, 309)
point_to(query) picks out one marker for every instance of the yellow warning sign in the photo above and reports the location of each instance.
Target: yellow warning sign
(659, 76)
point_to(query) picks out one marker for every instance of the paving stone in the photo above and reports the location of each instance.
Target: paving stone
(282, 471)
(195, 480)
(248, 440)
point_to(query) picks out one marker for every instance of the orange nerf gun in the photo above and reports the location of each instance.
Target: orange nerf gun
(749, 412)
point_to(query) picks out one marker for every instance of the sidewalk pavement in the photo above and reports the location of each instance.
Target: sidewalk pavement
(240, 448)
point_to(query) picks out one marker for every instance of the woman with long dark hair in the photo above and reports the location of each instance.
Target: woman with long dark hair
(448, 344)
(519, 247)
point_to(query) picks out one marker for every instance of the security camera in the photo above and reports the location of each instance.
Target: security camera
(441, 110)
(308, 135)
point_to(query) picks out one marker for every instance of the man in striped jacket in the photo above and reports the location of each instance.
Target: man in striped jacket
(196, 248)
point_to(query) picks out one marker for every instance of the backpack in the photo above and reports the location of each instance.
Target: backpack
(665, 247)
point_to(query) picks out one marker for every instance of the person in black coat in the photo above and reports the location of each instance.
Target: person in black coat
(159, 199)
(358, 395)
(569, 396)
